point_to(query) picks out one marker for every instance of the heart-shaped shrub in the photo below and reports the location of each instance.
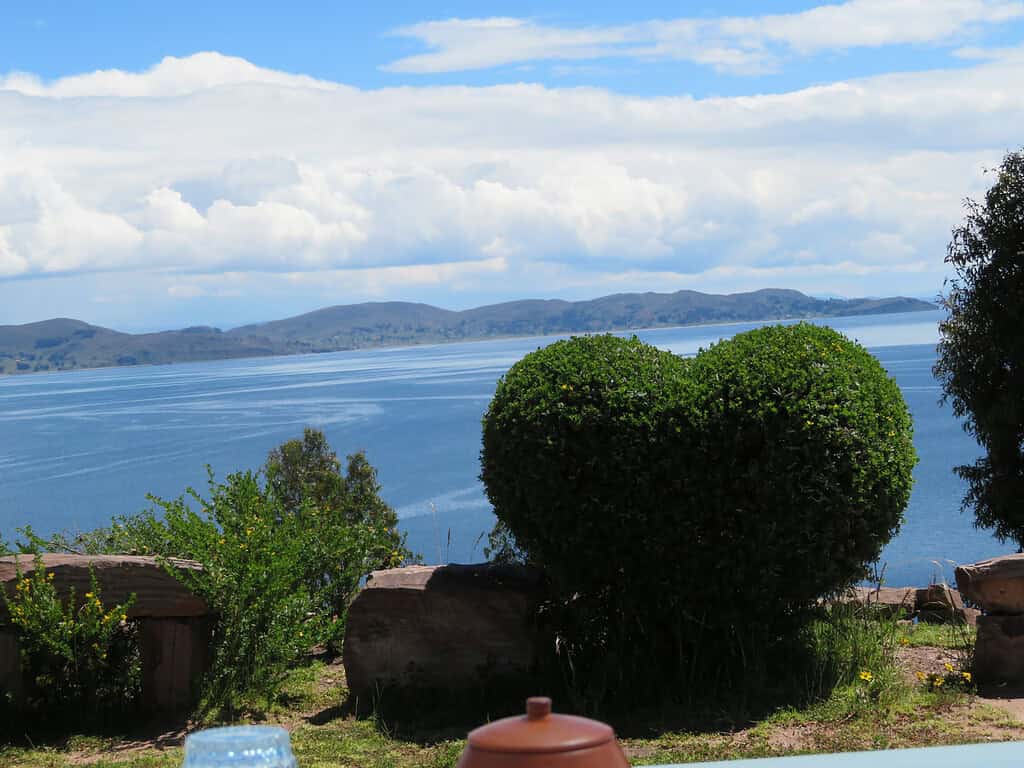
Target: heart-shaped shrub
(737, 486)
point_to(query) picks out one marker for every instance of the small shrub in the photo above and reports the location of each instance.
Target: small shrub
(850, 644)
(252, 579)
(281, 560)
(952, 679)
(80, 658)
(351, 530)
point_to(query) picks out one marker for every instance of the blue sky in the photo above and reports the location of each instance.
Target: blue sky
(352, 43)
(228, 162)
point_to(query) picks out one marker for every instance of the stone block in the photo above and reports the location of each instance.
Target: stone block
(174, 656)
(999, 650)
(11, 678)
(887, 601)
(938, 604)
(450, 628)
(157, 592)
(995, 585)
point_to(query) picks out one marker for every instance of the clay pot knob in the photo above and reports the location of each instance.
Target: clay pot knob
(538, 707)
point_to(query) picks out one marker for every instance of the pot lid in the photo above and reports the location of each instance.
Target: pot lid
(540, 731)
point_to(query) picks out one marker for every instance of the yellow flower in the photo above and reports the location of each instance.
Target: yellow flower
(124, 617)
(966, 676)
(948, 666)
(904, 641)
(939, 681)
(921, 676)
(866, 676)
(89, 595)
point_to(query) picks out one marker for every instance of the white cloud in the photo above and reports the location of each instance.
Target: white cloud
(514, 189)
(171, 77)
(744, 45)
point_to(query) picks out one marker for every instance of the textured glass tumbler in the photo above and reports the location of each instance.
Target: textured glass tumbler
(239, 746)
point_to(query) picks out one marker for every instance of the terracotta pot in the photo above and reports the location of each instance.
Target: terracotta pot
(540, 739)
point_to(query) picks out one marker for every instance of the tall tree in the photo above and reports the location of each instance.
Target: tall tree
(981, 351)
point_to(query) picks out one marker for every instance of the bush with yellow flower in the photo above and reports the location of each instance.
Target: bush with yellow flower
(79, 657)
(950, 679)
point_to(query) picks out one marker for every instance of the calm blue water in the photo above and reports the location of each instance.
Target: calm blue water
(80, 446)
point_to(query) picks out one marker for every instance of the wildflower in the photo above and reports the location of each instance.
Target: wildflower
(966, 676)
(866, 676)
(948, 666)
(904, 641)
(938, 682)
(921, 676)
(89, 595)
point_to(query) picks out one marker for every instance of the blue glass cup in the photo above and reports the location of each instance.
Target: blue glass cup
(239, 746)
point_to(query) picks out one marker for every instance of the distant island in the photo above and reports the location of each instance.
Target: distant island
(63, 344)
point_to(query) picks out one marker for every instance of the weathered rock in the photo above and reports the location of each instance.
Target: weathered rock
(938, 604)
(999, 650)
(10, 667)
(157, 593)
(449, 628)
(995, 585)
(887, 601)
(175, 654)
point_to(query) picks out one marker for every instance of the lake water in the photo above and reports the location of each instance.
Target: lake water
(80, 446)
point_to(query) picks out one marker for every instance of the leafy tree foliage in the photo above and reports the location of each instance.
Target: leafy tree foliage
(981, 351)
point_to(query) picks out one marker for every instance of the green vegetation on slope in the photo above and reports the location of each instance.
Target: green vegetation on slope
(62, 344)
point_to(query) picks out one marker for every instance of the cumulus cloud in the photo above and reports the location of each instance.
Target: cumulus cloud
(741, 45)
(208, 165)
(171, 77)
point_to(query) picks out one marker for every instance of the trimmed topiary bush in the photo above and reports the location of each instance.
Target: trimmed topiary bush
(717, 498)
(573, 457)
(799, 459)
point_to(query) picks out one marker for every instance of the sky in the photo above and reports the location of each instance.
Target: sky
(196, 163)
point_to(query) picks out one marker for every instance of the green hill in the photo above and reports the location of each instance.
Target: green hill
(62, 343)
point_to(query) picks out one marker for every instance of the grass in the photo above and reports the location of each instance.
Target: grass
(957, 637)
(889, 711)
(878, 705)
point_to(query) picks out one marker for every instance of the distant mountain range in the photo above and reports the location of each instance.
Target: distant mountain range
(62, 344)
